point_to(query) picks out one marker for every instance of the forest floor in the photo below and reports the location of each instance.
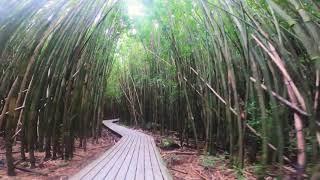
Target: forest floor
(184, 163)
(59, 169)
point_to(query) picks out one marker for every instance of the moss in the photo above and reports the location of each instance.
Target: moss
(168, 143)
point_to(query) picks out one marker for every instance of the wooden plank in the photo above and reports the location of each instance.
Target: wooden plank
(155, 165)
(93, 165)
(94, 171)
(115, 159)
(165, 174)
(120, 169)
(118, 129)
(132, 166)
(148, 166)
(140, 171)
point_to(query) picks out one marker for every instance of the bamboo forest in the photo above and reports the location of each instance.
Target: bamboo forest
(231, 85)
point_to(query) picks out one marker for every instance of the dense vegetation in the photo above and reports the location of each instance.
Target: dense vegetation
(239, 76)
(55, 57)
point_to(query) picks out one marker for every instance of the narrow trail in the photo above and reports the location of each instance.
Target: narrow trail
(135, 156)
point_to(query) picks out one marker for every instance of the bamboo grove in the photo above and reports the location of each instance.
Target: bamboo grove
(55, 59)
(240, 77)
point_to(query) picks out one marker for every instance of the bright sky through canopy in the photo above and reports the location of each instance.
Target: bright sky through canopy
(135, 8)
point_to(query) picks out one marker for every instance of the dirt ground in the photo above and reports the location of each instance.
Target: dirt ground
(191, 167)
(184, 163)
(59, 169)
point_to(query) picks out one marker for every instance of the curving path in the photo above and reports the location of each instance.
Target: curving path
(135, 156)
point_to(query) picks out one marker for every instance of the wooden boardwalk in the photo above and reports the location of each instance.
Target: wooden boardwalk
(135, 156)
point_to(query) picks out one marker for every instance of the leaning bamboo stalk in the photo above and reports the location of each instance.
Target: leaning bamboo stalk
(209, 86)
(6, 105)
(295, 97)
(22, 110)
(16, 109)
(35, 54)
(277, 60)
(282, 99)
(234, 112)
(136, 94)
(250, 128)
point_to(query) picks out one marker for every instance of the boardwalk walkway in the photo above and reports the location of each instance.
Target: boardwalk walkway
(135, 156)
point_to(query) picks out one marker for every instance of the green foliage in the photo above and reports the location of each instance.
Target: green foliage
(253, 113)
(208, 161)
(167, 143)
(113, 90)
